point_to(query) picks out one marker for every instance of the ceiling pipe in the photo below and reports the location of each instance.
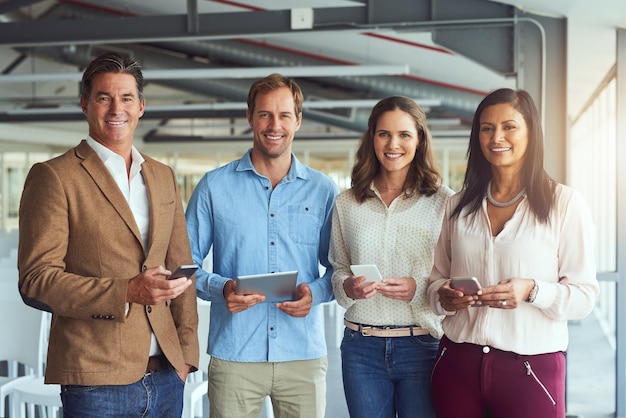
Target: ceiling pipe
(233, 90)
(236, 72)
(247, 53)
(458, 104)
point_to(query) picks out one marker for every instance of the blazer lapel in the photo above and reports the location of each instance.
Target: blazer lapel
(105, 182)
(151, 180)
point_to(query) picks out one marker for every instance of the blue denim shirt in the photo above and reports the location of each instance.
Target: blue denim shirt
(253, 229)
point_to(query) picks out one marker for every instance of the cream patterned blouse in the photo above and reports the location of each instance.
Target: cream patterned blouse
(400, 240)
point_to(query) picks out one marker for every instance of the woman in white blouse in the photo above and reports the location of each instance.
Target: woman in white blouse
(391, 217)
(529, 241)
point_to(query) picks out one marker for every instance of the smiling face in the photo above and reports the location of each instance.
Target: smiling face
(274, 123)
(113, 110)
(395, 141)
(503, 136)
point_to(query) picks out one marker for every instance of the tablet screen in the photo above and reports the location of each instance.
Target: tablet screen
(277, 287)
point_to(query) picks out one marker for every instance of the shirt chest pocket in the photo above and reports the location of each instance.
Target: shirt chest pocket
(305, 222)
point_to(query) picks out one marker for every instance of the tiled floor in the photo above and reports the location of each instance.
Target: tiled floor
(591, 371)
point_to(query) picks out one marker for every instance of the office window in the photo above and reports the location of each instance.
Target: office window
(592, 170)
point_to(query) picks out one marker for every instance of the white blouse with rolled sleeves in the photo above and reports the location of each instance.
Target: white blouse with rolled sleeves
(559, 255)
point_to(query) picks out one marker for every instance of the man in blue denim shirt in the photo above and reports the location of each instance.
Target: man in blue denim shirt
(264, 213)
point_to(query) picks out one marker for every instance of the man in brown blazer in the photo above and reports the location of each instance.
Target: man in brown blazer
(101, 228)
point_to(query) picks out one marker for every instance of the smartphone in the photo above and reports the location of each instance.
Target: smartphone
(186, 270)
(370, 271)
(467, 285)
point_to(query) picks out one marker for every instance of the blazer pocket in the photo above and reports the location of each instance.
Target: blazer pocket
(87, 345)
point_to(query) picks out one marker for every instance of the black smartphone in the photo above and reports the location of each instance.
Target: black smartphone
(186, 270)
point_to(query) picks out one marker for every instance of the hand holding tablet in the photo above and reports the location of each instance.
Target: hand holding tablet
(277, 287)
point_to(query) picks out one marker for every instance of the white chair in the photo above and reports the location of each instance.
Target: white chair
(8, 241)
(34, 392)
(268, 409)
(20, 329)
(197, 383)
(10, 261)
(333, 310)
(9, 274)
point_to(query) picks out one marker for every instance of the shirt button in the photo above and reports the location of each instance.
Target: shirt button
(149, 308)
(486, 349)
(271, 242)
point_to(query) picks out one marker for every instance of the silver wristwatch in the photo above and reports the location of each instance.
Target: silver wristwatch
(533, 293)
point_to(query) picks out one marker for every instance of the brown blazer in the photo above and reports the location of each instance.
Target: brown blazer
(78, 248)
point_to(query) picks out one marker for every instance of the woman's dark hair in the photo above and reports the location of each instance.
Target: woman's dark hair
(539, 186)
(422, 177)
(111, 62)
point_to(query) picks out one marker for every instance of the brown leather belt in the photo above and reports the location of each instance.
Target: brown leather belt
(374, 331)
(156, 363)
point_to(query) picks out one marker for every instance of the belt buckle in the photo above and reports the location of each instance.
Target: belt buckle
(156, 363)
(366, 331)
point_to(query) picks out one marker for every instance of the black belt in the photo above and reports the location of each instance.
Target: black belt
(156, 363)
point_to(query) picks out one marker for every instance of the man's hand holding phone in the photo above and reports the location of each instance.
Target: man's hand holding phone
(149, 288)
(186, 270)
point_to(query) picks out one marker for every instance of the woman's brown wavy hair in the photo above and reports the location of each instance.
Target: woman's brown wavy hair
(422, 177)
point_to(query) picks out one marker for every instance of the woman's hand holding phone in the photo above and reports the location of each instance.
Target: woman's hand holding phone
(450, 298)
(467, 285)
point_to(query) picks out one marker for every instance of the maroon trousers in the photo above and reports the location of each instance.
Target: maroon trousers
(474, 381)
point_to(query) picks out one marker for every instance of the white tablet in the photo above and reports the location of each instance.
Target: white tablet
(277, 287)
(370, 271)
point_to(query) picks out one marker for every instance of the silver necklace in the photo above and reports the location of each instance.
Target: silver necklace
(501, 204)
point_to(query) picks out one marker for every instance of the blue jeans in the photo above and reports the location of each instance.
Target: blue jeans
(388, 377)
(156, 395)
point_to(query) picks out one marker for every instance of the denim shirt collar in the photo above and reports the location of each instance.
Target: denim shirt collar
(296, 170)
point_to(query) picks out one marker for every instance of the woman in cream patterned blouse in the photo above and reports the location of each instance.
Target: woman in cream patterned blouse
(391, 217)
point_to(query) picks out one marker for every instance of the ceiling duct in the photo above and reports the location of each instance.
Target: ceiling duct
(240, 53)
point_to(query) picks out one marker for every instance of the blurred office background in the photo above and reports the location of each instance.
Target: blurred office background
(200, 57)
